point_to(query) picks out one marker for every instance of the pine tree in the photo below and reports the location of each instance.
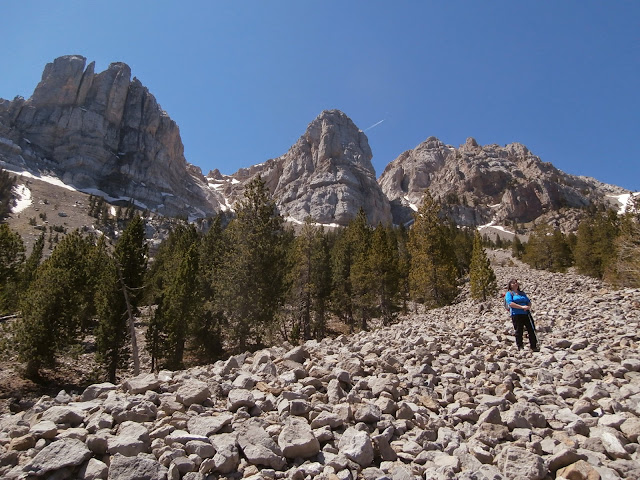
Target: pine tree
(121, 278)
(595, 253)
(174, 286)
(309, 282)
(7, 200)
(432, 276)
(404, 264)
(207, 330)
(560, 252)
(517, 249)
(384, 274)
(32, 262)
(626, 270)
(341, 287)
(251, 287)
(112, 334)
(361, 277)
(131, 252)
(58, 304)
(11, 268)
(483, 278)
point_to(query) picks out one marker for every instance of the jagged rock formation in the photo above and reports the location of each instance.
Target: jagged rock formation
(483, 183)
(442, 394)
(327, 175)
(103, 131)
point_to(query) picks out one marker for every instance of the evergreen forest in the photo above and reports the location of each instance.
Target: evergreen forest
(250, 281)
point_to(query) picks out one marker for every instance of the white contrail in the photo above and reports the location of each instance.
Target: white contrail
(374, 125)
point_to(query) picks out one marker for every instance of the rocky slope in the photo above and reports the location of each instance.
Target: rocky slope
(326, 175)
(103, 131)
(441, 394)
(486, 183)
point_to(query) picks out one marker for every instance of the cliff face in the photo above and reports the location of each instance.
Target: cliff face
(104, 131)
(479, 184)
(327, 175)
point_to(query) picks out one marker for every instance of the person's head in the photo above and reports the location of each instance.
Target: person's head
(513, 285)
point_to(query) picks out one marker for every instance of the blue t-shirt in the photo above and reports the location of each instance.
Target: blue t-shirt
(519, 298)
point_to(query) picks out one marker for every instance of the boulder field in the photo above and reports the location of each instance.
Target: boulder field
(440, 394)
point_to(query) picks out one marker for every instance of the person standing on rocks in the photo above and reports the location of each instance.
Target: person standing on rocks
(520, 308)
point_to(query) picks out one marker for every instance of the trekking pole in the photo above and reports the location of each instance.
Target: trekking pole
(533, 327)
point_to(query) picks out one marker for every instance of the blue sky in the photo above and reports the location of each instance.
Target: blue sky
(243, 79)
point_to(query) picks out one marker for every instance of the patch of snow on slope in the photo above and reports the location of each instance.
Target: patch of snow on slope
(624, 201)
(492, 224)
(411, 205)
(23, 198)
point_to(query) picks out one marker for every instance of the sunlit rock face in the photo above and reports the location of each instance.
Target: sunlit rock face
(478, 184)
(326, 175)
(106, 131)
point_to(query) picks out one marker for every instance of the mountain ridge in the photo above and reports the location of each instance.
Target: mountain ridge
(106, 132)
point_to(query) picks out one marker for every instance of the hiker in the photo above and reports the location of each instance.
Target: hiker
(520, 308)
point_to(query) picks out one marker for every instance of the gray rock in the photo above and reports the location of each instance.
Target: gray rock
(58, 455)
(297, 439)
(239, 397)
(227, 456)
(517, 462)
(44, 429)
(357, 446)
(62, 415)
(97, 390)
(142, 383)
(94, 470)
(259, 447)
(140, 468)
(192, 391)
(207, 426)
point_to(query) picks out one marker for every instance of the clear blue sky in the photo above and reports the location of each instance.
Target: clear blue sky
(243, 79)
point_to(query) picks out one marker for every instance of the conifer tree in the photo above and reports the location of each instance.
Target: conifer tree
(32, 262)
(517, 248)
(361, 277)
(309, 282)
(404, 264)
(595, 252)
(174, 286)
(432, 276)
(627, 245)
(483, 278)
(341, 287)
(112, 334)
(560, 252)
(7, 200)
(251, 287)
(383, 268)
(58, 304)
(207, 330)
(131, 252)
(11, 267)
(118, 290)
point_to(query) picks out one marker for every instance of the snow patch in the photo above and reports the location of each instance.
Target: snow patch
(411, 205)
(23, 198)
(291, 219)
(492, 224)
(48, 179)
(624, 201)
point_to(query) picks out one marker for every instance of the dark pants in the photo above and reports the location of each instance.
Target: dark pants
(520, 322)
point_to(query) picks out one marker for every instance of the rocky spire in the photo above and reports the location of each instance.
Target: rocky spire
(106, 131)
(327, 174)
